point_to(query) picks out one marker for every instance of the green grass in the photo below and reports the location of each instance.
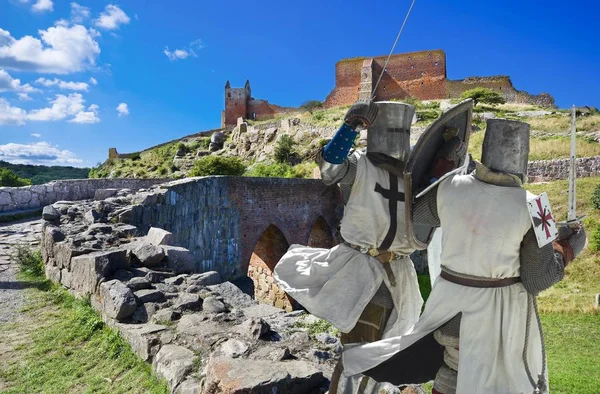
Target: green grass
(575, 293)
(68, 349)
(573, 346)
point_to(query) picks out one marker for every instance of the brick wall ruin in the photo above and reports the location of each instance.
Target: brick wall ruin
(551, 170)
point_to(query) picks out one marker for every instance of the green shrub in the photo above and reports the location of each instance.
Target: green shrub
(118, 173)
(9, 178)
(218, 165)
(596, 197)
(323, 142)
(284, 149)
(483, 95)
(135, 156)
(428, 114)
(141, 173)
(163, 171)
(319, 115)
(30, 261)
(276, 170)
(311, 105)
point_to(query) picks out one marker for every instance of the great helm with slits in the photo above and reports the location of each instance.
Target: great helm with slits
(506, 147)
(389, 135)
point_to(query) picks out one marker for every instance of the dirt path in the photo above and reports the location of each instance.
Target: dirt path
(26, 232)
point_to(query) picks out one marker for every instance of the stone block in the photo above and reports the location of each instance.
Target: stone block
(232, 295)
(173, 363)
(116, 299)
(227, 375)
(65, 278)
(189, 386)
(103, 194)
(165, 315)
(150, 296)
(212, 305)
(52, 273)
(205, 279)
(87, 270)
(50, 213)
(138, 283)
(157, 236)
(176, 280)
(180, 260)
(149, 255)
(65, 251)
(143, 338)
(188, 302)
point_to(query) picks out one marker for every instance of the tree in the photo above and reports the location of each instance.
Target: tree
(218, 165)
(311, 105)
(9, 178)
(483, 95)
(284, 149)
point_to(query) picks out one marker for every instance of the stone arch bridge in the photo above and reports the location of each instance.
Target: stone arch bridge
(241, 226)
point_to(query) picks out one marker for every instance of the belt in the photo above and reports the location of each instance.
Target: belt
(481, 283)
(383, 256)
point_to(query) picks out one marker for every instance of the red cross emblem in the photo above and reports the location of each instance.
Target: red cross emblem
(543, 219)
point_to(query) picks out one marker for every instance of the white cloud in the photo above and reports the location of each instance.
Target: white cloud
(65, 85)
(93, 81)
(62, 107)
(60, 50)
(24, 97)
(185, 52)
(42, 6)
(9, 84)
(111, 18)
(123, 109)
(89, 116)
(79, 13)
(11, 115)
(36, 135)
(37, 153)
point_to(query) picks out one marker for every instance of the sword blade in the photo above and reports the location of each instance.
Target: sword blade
(571, 215)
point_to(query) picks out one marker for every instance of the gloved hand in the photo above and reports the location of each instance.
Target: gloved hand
(361, 113)
(570, 242)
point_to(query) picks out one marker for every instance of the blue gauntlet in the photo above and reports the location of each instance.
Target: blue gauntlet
(337, 149)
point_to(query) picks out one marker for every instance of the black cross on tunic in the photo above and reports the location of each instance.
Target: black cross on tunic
(395, 197)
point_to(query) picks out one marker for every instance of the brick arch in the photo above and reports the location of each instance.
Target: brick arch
(321, 235)
(270, 247)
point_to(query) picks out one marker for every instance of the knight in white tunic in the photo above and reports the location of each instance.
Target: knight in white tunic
(367, 285)
(481, 311)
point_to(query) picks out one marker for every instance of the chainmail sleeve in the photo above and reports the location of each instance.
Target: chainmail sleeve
(425, 209)
(343, 174)
(540, 267)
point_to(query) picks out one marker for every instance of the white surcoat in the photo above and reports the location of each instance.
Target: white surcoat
(337, 284)
(482, 229)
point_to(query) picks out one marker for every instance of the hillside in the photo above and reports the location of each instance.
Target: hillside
(43, 174)
(258, 143)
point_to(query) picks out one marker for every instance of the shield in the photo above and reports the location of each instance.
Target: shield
(422, 164)
(542, 219)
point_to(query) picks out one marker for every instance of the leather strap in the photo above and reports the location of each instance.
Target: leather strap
(563, 247)
(480, 283)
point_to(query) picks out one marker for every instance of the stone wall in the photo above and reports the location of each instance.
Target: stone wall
(550, 170)
(221, 219)
(38, 196)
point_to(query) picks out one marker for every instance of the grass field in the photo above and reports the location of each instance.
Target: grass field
(62, 346)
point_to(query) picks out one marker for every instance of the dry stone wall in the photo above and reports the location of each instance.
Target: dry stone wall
(38, 196)
(551, 170)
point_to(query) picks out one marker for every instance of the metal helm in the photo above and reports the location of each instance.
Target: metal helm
(506, 146)
(390, 133)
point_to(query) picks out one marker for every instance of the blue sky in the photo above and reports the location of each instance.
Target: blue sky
(66, 67)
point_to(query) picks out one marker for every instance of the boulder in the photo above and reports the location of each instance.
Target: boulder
(52, 273)
(188, 302)
(144, 312)
(165, 316)
(226, 375)
(99, 228)
(209, 278)
(150, 296)
(65, 278)
(254, 328)
(92, 216)
(103, 194)
(234, 348)
(87, 270)
(143, 338)
(117, 300)
(180, 259)
(173, 363)
(232, 295)
(157, 236)
(149, 255)
(212, 305)
(138, 283)
(50, 213)
(189, 386)
(176, 280)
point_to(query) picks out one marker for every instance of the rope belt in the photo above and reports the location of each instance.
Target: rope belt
(481, 283)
